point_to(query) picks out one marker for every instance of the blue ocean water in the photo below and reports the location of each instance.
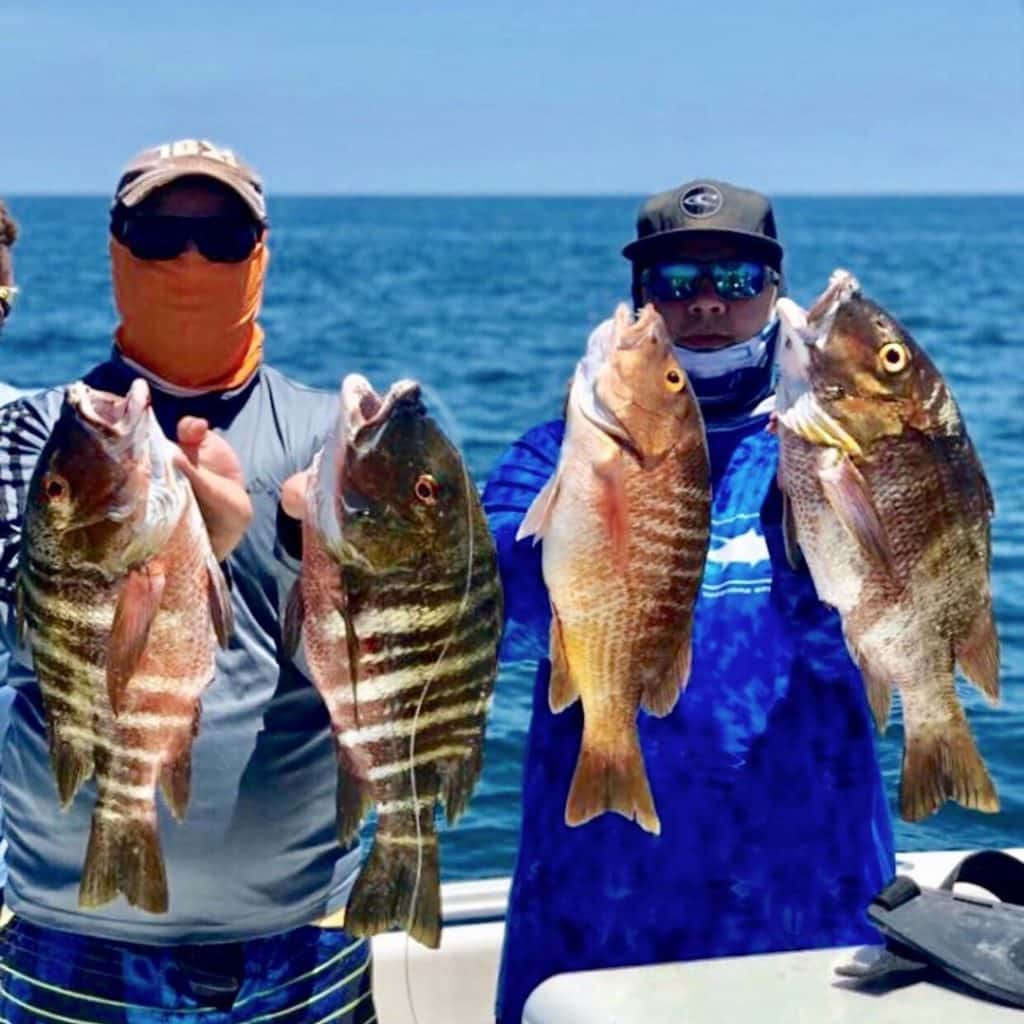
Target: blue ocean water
(489, 302)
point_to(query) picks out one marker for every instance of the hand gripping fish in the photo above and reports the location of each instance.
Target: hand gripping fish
(625, 522)
(887, 500)
(399, 606)
(122, 603)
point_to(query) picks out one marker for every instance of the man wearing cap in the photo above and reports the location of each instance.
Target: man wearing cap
(775, 829)
(256, 860)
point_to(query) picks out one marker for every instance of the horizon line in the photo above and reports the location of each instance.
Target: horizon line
(290, 194)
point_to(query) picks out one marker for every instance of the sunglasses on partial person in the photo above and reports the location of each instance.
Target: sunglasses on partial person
(8, 293)
(731, 279)
(159, 237)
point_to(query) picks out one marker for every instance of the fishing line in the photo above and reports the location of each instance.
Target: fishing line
(415, 722)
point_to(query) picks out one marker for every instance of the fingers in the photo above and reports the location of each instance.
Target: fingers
(192, 431)
(293, 494)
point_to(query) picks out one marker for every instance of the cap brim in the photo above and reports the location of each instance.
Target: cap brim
(667, 244)
(138, 188)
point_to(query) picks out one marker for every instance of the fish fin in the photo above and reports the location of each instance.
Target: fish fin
(940, 763)
(978, 654)
(221, 611)
(353, 797)
(660, 696)
(611, 780)
(538, 516)
(849, 496)
(562, 690)
(20, 622)
(382, 897)
(612, 505)
(458, 780)
(176, 777)
(124, 856)
(794, 555)
(137, 606)
(294, 613)
(879, 694)
(71, 767)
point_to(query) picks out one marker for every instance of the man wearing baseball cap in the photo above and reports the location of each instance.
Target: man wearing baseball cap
(256, 860)
(775, 829)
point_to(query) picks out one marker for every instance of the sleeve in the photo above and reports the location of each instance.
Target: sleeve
(25, 427)
(515, 481)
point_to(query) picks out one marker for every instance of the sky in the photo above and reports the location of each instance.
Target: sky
(522, 96)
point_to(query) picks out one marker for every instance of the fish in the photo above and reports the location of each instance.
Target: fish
(398, 610)
(122, 603)
(625, 525)
(886, 499)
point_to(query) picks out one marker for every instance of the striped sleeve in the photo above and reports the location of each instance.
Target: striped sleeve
(25, 426)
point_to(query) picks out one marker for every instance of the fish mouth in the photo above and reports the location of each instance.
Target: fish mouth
(801, 333)
(109, 414)
(365, 411)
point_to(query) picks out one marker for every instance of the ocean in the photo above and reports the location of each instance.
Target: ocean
(488, 301)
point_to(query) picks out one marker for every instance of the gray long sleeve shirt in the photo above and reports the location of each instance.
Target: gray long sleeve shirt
(257, 852)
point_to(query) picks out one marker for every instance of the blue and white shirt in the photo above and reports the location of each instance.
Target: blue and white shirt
(775, 823)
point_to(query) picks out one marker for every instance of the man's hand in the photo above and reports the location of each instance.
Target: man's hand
(213, 469)
(293, 495)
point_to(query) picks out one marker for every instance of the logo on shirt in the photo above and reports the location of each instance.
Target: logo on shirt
(748, 549)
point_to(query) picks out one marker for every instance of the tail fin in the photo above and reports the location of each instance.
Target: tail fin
(942, 763)
(611, 778)
(123, 856)
(386, 886)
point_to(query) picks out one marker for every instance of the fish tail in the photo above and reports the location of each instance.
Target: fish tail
(611, 778)
(71, 767)
(942, 763)
(389, 882)
(123, 856)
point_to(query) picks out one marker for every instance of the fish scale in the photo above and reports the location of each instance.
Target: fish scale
(399, 608)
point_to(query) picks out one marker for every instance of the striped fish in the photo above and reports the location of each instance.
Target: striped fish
(625, 521)
(121, 602)
(399, 606)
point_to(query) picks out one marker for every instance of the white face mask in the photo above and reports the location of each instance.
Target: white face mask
(734, 375)
(741, 355)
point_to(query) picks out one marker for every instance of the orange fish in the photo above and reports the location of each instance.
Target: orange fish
(625, 522)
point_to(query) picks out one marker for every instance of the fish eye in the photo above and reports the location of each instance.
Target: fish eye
(674, 380)
(54, 487)
(427, 489)
(894, 357)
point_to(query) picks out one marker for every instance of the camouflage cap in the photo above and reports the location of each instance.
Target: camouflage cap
(154, 168)
(709, 208)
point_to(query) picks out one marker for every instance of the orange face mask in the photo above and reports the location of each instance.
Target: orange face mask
(189, 321)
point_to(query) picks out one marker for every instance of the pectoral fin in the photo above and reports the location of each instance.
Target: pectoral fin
(850, 498)
(137, 606)
(612, 505)
(538, 515)
(221, 612)
(789, 536)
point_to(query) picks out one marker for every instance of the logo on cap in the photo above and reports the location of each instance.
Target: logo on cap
(701, 201)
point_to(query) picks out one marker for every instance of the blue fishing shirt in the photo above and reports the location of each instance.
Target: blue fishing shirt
(775, 826)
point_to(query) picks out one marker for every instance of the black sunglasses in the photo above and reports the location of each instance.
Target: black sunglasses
(159, 237)
(731, 279)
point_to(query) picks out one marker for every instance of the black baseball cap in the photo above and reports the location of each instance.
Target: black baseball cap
(713, 209)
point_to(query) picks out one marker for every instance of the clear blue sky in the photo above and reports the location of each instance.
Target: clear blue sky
(615, 96)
